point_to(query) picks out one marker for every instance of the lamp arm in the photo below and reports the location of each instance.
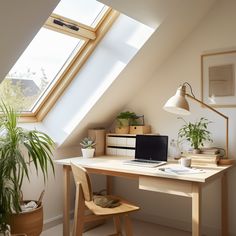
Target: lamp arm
(219, 113)
(204, 104)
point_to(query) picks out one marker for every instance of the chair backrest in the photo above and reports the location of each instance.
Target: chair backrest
(81, 176)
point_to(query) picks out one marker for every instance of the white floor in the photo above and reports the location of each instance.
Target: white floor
(140, 228)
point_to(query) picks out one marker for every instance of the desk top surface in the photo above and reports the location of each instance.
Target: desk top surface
(114, 166)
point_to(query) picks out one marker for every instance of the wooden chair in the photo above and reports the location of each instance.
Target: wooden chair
(84, 198)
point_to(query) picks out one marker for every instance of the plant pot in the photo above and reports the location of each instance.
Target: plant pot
(122, 126)
(122, 122)
(88, 152)
(29, 223)
(122, 130)
(196, 151)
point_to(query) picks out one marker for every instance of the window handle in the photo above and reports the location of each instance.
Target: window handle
(59, 22)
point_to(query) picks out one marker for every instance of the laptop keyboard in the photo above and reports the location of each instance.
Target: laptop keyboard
(146, 161)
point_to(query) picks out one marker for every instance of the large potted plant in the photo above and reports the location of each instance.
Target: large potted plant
(6, 194)
(19, 149)
(195, 133)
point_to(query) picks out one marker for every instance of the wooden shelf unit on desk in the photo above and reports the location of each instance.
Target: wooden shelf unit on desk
(120, 144)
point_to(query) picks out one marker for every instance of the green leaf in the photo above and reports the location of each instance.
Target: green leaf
(18, 149)
(195, 133)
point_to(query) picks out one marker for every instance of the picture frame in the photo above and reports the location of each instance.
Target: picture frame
(218, 82)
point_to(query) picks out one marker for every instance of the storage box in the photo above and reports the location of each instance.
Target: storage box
(140, 129)
(99, 136)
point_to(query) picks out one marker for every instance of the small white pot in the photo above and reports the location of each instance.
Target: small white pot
(88, 152)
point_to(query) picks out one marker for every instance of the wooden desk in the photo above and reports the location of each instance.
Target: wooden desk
(151, 179)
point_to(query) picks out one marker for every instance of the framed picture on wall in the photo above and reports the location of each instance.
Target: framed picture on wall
(218, 79)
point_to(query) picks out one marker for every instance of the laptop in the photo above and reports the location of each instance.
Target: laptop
(150, 151)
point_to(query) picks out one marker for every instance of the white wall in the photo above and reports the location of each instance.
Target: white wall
(215, 32)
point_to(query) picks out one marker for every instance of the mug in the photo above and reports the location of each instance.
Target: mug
(185, 161)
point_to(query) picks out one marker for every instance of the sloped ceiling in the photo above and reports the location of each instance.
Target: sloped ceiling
(170, 33)
(150, 12)
(172, 19)
(19, 23)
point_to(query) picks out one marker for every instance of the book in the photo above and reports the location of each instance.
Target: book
(212, 150)
(204, 164)
(193, 162)
(204, 161)
(203, 156)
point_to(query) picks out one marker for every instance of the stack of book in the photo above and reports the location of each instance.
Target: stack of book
(201, 160)
(209, 157)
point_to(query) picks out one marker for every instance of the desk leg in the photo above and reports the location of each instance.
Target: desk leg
(224, 205)
(196, 209)
(66, 207)
(109, 184)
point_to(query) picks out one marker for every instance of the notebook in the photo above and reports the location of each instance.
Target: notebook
(150, 150)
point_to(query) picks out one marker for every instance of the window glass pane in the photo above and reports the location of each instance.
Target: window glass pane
(83, 11)
(37, 67)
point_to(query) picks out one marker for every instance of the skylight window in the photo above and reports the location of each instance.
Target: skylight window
(52, 53)
(81, 11)
(38, 66)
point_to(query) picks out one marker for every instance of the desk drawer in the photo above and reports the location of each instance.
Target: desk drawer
(170, 186)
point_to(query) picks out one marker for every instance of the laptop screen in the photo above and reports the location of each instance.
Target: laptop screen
(151, 147)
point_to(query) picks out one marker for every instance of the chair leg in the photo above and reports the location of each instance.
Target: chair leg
(128, 226)
(117, 224)
(79, 212)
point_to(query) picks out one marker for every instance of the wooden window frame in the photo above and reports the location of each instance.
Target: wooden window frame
(91, 37)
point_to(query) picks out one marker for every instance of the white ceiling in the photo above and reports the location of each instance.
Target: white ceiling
(19, 22)
(149, 12)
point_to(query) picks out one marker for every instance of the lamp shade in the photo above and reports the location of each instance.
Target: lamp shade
(178, 103)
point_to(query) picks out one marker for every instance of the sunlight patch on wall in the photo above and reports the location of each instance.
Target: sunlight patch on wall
(140, 36)
(107, 81)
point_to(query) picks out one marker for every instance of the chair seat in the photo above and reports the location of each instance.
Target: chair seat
(123, 208)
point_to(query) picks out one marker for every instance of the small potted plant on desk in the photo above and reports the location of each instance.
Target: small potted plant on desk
(20, 149)
(195, 133)
(88, 147)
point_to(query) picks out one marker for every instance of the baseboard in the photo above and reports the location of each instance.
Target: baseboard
(176, 224)
(49, 223)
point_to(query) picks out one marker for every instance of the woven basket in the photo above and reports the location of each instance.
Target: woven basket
(29, 223)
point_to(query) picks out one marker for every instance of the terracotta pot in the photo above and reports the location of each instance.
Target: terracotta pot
(29, 223)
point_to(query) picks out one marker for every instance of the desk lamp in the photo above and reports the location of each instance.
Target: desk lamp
(179, 105)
